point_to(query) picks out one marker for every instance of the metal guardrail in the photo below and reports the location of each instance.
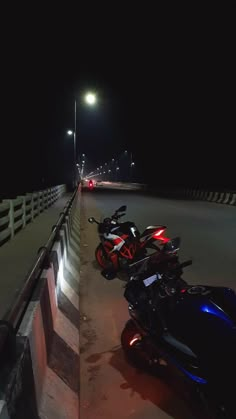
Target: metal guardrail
(11, 321)
(16, 213)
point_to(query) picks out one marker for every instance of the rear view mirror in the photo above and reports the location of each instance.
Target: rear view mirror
(122, 209)
(108, 274)
(91, 220)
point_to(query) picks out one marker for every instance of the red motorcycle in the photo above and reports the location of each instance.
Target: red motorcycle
(122, 244)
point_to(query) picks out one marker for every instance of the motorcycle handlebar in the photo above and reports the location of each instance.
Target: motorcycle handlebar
(121, 215)
(186, 263)
(117, 216)
(178, 268)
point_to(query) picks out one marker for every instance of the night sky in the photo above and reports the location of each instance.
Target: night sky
(167, 98)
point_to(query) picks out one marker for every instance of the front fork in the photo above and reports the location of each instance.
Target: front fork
(147, 346)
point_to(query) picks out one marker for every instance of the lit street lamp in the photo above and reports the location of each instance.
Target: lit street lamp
(90, 99)
(131, 174)
(117, 171)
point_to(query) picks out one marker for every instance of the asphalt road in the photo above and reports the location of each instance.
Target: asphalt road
(110, 387)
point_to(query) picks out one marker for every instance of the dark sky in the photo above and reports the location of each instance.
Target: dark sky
(167, 96)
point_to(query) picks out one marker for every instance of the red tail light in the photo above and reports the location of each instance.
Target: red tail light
(158, 235)
(91, 184)
(163, 239)
(158, 232)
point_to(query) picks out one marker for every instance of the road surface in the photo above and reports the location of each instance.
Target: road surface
(110, 387)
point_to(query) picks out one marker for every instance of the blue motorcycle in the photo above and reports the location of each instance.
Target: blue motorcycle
(191, 328)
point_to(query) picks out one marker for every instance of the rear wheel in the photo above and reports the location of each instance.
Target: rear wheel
(101, 257)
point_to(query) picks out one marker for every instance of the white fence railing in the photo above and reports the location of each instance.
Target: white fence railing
(16, 213)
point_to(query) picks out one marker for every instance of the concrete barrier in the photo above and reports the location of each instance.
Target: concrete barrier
(227, 198)
(233, 200)
(219, 197)
(44, 380)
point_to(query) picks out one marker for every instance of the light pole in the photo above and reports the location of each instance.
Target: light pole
(69, 132)
(117, 171)
(90, 99)
(131, 173)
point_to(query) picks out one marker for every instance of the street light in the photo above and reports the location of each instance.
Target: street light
(70, 132)
(90, 99)
(131, 172)
(117, 171)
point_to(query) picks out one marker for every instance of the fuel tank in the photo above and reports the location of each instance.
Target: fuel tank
(204, 319)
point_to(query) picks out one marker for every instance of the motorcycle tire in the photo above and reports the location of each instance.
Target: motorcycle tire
(129, 333)
(101, 258)
(133, 345)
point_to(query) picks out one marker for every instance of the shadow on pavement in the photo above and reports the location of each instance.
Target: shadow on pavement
(168, 392)
(95, 265)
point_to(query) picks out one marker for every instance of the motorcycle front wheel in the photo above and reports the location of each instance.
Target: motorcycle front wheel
(136, 350)
(101, 258)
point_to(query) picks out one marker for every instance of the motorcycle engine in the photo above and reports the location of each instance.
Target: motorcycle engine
(123, 264)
